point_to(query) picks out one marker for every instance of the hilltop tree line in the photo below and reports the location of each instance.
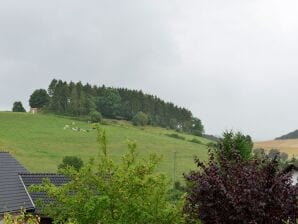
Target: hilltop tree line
(77, 99)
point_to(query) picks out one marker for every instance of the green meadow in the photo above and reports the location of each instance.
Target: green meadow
(40, 142)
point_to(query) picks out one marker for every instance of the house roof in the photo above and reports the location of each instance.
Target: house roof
(37, 178)
(13, 195)
(15, 181)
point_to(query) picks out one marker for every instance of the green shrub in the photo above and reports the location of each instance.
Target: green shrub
(22, 218)
(195, 140)
(103, 191)
(177, 192)
(211, 145)
(95, 116)
(71, 161)
(259, 153)
(174, 135)
(140, 119)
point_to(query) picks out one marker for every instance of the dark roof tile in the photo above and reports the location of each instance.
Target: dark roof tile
(30, 179)
(13, 195)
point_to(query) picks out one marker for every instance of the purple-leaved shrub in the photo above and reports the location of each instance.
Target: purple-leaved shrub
(241, 191)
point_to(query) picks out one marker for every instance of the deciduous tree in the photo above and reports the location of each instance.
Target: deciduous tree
(18, 107)
(39, 99)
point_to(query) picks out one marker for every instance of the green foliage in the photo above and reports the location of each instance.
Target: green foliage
(197, 127)
(284, 156)
(195, 140)
(95, 116)
(109, 193)
(140, 119)
(18, 107)
(236, 141)
(73, 99)
(177, 193)
(175, 135)
(259, 153)
(109, 103)
(101, 139)
(22, 218)
(39, 98)
(211, 137)
(211, 145)
(80, 103)
(76, 99)
(71, 161)
(294, 161)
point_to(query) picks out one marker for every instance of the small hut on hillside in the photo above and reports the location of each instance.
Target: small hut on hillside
(34, 110)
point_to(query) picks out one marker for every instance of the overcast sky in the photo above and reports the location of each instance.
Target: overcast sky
(233, 63)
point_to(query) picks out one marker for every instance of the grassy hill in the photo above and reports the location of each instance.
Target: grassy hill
(40, 142)
(289, 146)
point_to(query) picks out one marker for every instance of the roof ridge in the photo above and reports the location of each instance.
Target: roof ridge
(26, 190)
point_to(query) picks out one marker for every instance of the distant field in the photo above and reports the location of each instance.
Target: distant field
(40, 142)
(289, 146)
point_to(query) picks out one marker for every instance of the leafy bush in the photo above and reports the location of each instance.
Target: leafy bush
(211, 145)
(140, 119)
(107, 192)
(71, 161)
(259, 153)
(195, 140)
(177, 192)
(273, 153)
(22, 218)
(276, 153)
(294, 161)
(95, 116)
(18, 107)
(174, 135)
(241, 191)
(236, 142)
(284, 156)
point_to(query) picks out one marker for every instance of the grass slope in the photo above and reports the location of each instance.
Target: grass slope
(40, 142)
(289, 146)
